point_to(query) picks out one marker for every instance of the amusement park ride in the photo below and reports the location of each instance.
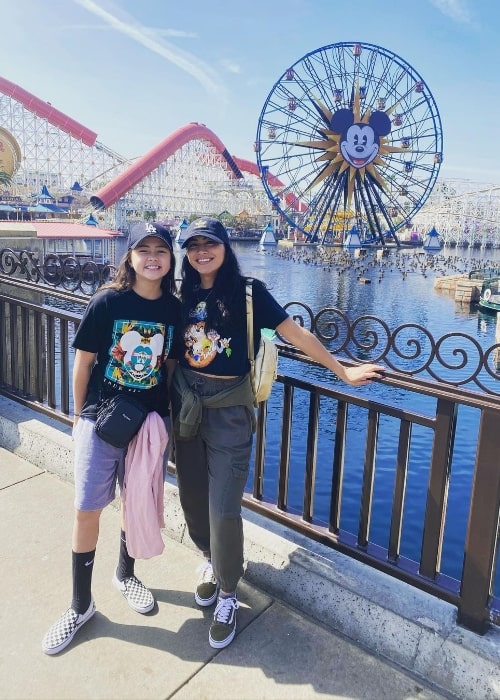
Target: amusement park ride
(355, 133)
(349, 139)
(466, 214)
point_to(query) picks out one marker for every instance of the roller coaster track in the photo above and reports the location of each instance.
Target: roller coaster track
(190, 171)
(463, 212)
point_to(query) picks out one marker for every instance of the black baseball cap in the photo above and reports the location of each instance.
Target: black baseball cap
(208, 227)
(142, 230)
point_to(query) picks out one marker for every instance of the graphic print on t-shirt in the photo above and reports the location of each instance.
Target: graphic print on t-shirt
(136, 353)
(203, 346)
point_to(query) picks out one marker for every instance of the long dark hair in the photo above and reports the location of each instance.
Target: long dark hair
(227, 303)
(125, 276)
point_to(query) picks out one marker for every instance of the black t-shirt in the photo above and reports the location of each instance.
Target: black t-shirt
(132, 338)
(207, 351)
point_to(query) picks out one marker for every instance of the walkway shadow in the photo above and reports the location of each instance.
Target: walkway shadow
(309, 656)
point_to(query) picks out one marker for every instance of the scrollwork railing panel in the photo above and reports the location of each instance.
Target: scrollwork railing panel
(23, 264)
(455, 358)
(55, 270)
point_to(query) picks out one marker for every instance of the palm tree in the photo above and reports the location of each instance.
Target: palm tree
(5, 178)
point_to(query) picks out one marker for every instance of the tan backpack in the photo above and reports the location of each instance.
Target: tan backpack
(264, 366)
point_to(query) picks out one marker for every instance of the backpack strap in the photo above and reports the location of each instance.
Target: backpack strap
(249, 303)
(250, 344)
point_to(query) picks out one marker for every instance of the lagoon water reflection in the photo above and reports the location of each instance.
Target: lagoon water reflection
(397, 298)
(392, 295)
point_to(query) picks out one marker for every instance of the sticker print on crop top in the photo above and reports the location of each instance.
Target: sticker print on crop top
(203, 346)
(137, 353)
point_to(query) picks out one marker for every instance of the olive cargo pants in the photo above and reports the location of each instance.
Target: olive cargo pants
(212, 471)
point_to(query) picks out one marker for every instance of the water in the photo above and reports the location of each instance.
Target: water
(394, 298)
(401, 291)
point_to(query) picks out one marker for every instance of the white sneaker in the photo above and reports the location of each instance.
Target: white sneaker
(207, 587)
(223, 627)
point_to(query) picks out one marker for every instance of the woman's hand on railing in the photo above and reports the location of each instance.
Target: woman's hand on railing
(303, 339)
(361, 375)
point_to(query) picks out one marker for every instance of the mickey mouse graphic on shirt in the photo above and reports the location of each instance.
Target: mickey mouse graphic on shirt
(360, 141)
(137, 353)
(202, 345)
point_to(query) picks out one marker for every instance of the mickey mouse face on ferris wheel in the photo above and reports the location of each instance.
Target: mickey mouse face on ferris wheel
(359, 142)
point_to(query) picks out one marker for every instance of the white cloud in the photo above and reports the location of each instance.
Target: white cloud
(231, 66)
(455, 9)
(176, 32)
(152, 40)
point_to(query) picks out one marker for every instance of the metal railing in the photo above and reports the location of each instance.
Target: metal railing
(35, 369)
(73, 273)
(472, 593)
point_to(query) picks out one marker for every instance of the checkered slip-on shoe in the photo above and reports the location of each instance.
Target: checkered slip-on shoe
(62, 632)
(207, 587)
(136, 594)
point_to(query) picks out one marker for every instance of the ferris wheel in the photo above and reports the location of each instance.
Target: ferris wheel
(349, 139)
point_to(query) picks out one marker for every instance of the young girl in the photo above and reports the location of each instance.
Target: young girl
(212, 403)
(124, 343)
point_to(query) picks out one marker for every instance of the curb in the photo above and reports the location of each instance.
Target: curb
(387, 617)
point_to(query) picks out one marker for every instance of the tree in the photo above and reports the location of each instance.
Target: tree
(5, 178)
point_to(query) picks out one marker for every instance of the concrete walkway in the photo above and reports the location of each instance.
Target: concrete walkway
(277, 653)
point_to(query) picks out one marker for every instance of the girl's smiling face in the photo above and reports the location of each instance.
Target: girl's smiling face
(206, 257)
(151, 259)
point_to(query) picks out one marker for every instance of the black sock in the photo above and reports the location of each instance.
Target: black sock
(125, 562)
(83, 564)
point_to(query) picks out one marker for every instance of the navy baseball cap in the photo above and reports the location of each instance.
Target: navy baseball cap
(208, 227)
(142, 230)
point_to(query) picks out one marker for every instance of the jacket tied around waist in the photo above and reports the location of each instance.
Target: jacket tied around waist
(188, 405)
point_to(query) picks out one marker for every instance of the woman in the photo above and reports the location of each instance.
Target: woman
(124, 345)
(213, 410)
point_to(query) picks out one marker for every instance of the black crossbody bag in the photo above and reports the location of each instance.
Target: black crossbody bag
(119, 418)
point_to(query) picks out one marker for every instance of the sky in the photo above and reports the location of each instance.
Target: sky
(134, 72)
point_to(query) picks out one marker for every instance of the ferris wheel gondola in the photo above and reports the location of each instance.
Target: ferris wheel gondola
(349, 137)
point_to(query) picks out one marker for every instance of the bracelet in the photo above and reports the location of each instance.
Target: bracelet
(77, 414)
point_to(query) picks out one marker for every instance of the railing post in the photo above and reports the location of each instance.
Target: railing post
(311, 456)
(482, 531)
(64, 367)
(260, 450)
(285, 447)
(51, 361)
(13, 342)
(398, 500)
(39, 364)
(338, 466)
(368, 478)
(437, 492)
